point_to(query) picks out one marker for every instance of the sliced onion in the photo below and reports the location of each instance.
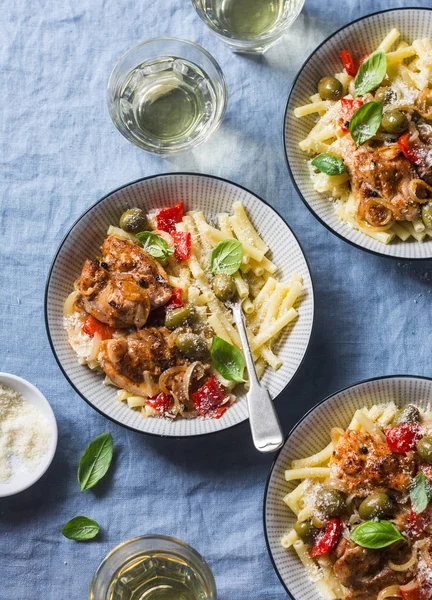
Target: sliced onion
(410, 563)
(95, 347)
(392, 591)
(163, 379)
(150, 385)
(412, 189)
(69, 305)
(187, 378)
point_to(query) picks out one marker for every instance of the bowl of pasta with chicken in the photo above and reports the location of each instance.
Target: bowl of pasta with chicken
(139, 303)
(348, 504)
(358, 133)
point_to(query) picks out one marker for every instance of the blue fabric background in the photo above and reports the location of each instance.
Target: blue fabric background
(59, 154)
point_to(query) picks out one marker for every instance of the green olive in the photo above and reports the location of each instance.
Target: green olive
(394, 121)
(133, 220)
(224, 287)
(385, 95)
(179, 316)
(330, 502)
(193, 346)
(330, 88)
(407, 414)
(424, 448)
(305, 529)
(426, 214)
(376, 506)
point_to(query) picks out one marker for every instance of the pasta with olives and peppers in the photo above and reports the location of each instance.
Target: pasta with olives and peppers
(363, 507)
(372, 142)
(153, 310)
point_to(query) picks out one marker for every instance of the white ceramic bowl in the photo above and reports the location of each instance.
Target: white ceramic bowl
(212, 196)
(21, 478)
(311, 434)
(360, 37)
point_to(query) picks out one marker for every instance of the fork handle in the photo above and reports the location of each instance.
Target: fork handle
(264, 423)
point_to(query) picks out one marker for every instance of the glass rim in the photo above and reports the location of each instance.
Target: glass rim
(246, 41)
(221, 81)
(158, 538)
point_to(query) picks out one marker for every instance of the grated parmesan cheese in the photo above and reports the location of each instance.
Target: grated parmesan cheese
(25, 433)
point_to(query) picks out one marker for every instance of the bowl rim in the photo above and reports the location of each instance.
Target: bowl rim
(293, 429)
(50, 454)
(293, 180)
(59, 249)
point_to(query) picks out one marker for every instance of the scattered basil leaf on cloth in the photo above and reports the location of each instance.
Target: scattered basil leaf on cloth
(365, 122)
(95, 461)
(376, 534)
(80, 529)
(328, 164)
(154, 244)
(371, 73)
(421, 492)
(226, 257)
(227, 360)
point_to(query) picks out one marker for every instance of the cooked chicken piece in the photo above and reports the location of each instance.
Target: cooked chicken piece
(123, 256)
(134, 362)
(366, 572)
(382, 183)
(121, 288)
(363, 463)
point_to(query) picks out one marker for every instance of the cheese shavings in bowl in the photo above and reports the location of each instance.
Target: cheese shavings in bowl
(25, 434)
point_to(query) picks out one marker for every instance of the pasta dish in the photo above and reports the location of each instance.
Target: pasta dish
(371, 145)
(153, 311)
(363, 507)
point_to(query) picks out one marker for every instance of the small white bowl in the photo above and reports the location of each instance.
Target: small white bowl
(360, 37)
(21, 478)
(311, 434)
(212, 195)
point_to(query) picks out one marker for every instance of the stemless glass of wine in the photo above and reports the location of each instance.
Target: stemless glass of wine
(249, 26)
(167, 95)
(153, 567)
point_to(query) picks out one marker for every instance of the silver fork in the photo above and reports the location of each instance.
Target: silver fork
(264, 423)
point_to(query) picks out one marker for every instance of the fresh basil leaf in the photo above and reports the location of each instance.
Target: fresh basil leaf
(95, 461)
(80, 529)
(226, 257)
(154, 244)
(375, 534)
(421, 492)
(365, 122)
(371, 73)
(227, 360)
(328, 164)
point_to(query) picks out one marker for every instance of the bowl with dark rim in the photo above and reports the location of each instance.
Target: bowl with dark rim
(360, 37)
(310, 435)
(212, 195)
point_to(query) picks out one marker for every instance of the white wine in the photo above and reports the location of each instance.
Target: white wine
(167, 100)
(157, 576)
(247, 18)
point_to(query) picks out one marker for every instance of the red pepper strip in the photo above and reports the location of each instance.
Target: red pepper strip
(92, 326)
(403, 438)
(327, 540)
(208, 399)
(348, 62)
(168, 217)
(413, 591)
(182, 245)
(161, 402)
(418, 524)
(349, 107)
(176, 300)
(408, 149)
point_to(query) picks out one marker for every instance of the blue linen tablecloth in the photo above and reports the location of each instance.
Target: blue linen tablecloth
(59, 154)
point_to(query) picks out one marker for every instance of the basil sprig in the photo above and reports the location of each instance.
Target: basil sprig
(226, 257)
(376, 534)
(155, 245)
(80, 529)
(365, 122)
(421, 492)
(227, 360)
(329, 164)
(371, 73)
(95, 461)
